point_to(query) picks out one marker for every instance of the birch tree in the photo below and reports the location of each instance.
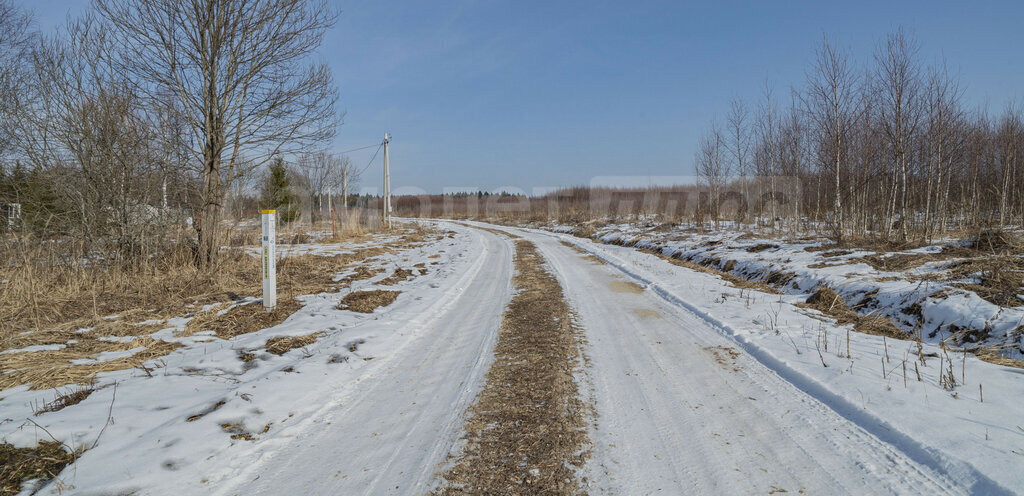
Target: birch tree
(831, 103)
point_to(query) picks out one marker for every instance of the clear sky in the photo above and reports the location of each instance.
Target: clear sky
(525, 93)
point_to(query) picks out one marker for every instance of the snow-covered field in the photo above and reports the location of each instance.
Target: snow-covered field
(925, 297)
(697, 387)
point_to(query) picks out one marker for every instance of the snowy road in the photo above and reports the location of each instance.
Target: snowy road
(680, 410)
(398, 422)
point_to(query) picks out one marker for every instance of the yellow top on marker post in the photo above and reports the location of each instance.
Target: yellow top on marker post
(268, 211)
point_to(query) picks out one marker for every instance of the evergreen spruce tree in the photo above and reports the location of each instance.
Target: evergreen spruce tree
(277, 193)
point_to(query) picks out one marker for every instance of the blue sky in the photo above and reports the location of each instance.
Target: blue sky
(530, 94)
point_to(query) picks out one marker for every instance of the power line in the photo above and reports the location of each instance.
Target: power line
(371, 158)
(355, 149)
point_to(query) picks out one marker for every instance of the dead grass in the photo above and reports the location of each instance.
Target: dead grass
(282, 345)
(1000, 278)
(203, 413)
(762, 247)
(63, 399)
(46, 299)
(899, 262)
(242, 319)
(44, 461)
(830, 303)
(526, 433)
(54, 368)
(399, 275)
(367, 301)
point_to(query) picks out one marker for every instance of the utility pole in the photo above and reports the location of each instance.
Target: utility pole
(387, 185)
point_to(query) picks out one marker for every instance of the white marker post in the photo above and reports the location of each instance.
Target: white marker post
(269, 260)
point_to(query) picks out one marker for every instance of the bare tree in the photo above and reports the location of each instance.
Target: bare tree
(739, 137)
(239, 74)
(16, 38)
(768, 150)
(831, 103)
(343, 180)
(712, 165)
(86, 127)
(898, 80)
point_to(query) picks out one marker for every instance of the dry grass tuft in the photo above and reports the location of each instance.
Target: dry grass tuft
(367, 301)
(826, 300)
(62, 400)
(202, 414)
(1000, 278)
(526, 433)
(399, 275)
(282, 345)
(238, 431)
(997, 242)
(44, 461)
(830, 303)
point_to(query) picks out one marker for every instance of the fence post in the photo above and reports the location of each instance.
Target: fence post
(269, 260)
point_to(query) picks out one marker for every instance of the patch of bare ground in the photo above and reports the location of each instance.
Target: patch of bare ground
(282, 345)
(626, 287)
(899, 262)
(44, 462)
(725, 356)
(399, 275)
(583, 254)
(242, 319)
(830, 303)
(367, 301)
(761, 247)
(526, 433)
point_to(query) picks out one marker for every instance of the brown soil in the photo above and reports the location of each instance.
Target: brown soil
(626, 287)
(526, 433)
(367, 301)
